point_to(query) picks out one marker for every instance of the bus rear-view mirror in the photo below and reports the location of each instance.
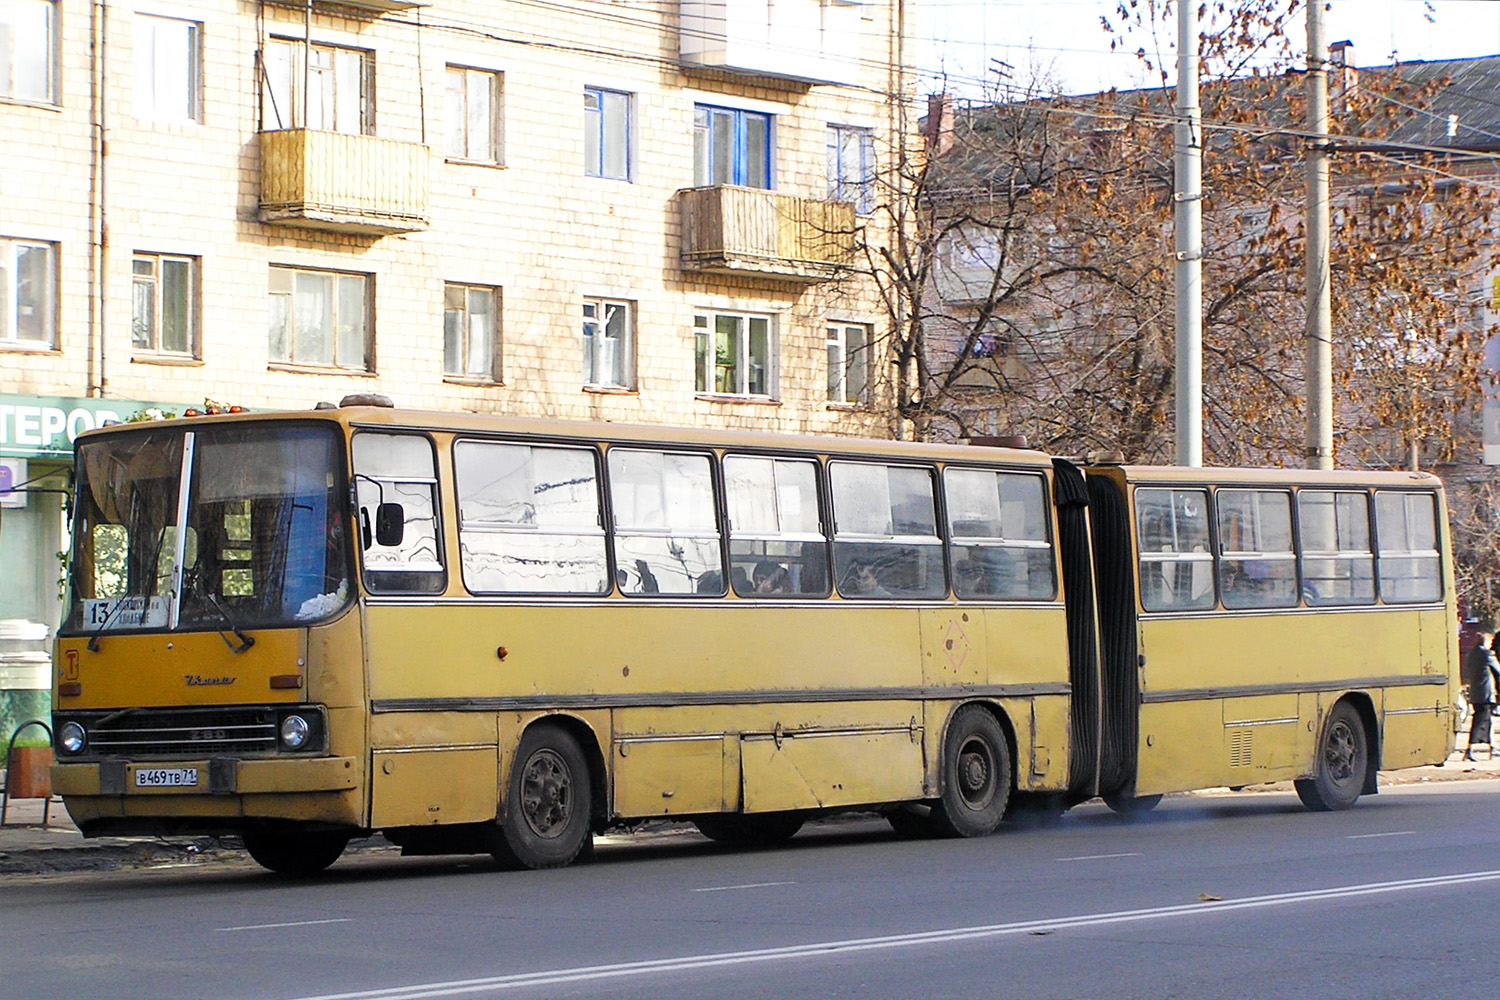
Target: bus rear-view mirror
(390, 524)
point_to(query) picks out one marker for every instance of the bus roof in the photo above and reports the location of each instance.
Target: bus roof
(1270, 477)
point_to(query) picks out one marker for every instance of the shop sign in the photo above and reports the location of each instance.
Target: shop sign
(46, 426)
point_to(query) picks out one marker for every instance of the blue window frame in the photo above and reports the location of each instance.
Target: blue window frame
(731, 147)
(606, 133)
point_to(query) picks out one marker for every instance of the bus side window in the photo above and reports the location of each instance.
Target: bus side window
(886, 542)
(1257, 565)
(666, 527)
(529, 519)
(1176, 566)
(1337, 564)
(1407, 532)
(399, 469)
(998, 525)
(776, 543)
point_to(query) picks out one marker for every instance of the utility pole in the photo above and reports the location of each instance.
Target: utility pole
(1319, 292)
(1187, 219)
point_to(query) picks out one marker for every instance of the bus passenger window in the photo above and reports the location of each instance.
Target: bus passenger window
(399, 469)
(998, 525)
(529, 519)
(776, 543)
(885, 532)
(666, 528)
(1337, 564)
(1407, 529)
(1257, 567)
(1176, 565)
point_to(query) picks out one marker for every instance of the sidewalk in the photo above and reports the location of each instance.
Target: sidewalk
(29, 847)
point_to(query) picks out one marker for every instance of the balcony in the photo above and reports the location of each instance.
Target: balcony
(342, 183)
(808, 41)
(749, 232)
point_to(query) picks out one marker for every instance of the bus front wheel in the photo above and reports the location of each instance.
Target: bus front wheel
(544, 821)
(1343, 757)
(295, 853)
(976, 776)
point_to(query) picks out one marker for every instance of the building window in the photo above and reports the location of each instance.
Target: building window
(320, 319)
(606, 134)
(341, 83)
(28, 294)
(735, 354)
(473, 111)
(848, 362)
(27, 45)
(851, 167)
(731, 147)
(164, 304)
(608, 343)
(166, 69)
(471, 331)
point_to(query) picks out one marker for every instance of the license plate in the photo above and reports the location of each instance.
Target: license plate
(166, 777)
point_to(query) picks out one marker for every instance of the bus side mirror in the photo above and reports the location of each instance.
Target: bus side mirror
(390, 524)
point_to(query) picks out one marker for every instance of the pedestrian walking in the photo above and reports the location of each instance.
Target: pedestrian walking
(1481, 677)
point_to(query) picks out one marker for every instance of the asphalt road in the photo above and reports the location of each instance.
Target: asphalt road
(1212, 896)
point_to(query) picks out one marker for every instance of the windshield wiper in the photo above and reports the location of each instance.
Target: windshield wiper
(246, 641)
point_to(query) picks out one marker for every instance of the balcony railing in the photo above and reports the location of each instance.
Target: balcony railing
(344, 183)
(747, 231)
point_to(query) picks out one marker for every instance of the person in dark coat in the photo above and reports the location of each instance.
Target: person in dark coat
(1481, 677)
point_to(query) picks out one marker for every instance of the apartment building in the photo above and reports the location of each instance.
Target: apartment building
(588, 209)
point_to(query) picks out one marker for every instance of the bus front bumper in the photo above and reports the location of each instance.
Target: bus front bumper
(207, 776)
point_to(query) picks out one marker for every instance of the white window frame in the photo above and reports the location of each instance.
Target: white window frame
(598, 316)
(598, 145)
(464, 87)
(740, 368)
(337, 68)
(843, 360)
(289, 312)
(156, 281)
(489, 372)
(859, 189)
(21, 45)
(12, 303)
(168, 69)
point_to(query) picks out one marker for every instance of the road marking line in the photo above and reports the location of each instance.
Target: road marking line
(1100, 857)
(1372, 836)
(291, 923)
(747, 885)
(890, 942)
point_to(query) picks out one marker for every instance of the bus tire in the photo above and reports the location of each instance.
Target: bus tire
(975, 775)
(753, 830)
(297, 854)
(1131, 805)
(545, 819)
(1343, 758)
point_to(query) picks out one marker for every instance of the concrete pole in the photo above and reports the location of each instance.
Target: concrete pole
(1319, 293)
(1187, 172)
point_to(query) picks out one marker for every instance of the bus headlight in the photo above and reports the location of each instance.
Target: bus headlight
(72, 738)
(295, 732)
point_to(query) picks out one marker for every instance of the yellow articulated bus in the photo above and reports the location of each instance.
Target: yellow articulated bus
(483, 634)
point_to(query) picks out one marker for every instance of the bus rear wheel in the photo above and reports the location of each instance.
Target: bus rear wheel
(1343, 757)
(754, 830)
(544, 821)
(295, 853)
(975, 776)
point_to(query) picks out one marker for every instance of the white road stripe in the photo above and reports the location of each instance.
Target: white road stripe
(1100, 857)
(290, 923)
(747, 885)
(622, 970)
(1372, 836)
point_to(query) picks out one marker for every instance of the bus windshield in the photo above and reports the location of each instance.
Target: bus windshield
(257, 540)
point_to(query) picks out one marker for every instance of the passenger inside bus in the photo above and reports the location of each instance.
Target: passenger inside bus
(772, 578)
